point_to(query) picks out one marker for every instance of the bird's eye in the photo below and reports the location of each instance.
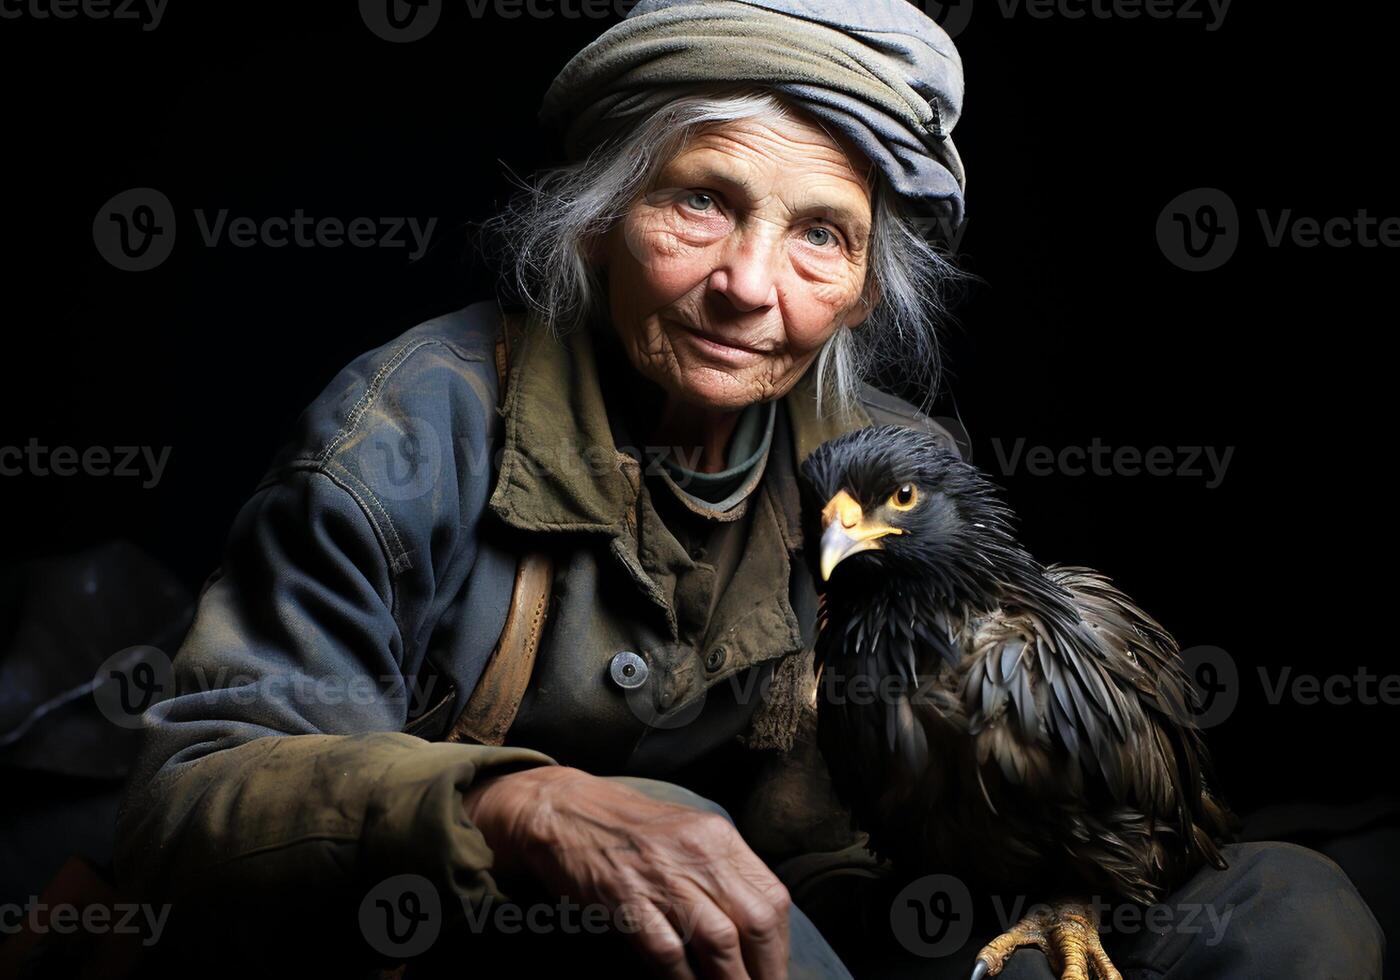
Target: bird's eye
(904, 497)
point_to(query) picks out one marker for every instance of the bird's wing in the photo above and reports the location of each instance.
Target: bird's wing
(1171, 772)
(1080, 671)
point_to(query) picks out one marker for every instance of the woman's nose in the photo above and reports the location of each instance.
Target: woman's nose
(747, 274)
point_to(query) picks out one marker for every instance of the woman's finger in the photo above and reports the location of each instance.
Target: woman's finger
(715, 941)
(758, 904)
(651, 933)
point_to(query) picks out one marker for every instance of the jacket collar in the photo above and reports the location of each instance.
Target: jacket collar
(560, 469)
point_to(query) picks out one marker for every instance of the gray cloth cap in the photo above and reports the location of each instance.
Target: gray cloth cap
(879, 71)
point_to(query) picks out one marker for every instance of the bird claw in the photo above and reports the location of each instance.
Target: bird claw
(1067, 933)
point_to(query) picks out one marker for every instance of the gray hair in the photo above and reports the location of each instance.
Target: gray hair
(543, 237)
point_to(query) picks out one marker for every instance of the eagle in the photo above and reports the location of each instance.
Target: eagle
(1025, 727)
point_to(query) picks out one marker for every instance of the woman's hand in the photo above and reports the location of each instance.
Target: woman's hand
(676, 877)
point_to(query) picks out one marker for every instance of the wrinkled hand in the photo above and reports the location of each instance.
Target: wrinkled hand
(677, 877)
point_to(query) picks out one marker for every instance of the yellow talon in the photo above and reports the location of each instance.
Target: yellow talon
(1067, 933)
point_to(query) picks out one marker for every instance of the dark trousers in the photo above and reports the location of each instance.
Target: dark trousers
(1279, 911)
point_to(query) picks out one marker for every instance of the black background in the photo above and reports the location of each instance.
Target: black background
(1076, 134)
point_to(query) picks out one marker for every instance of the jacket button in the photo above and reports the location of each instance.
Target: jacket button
(714, 660)
(697, 553)
(628, 670)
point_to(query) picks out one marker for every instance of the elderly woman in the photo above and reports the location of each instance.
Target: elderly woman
(523, 563)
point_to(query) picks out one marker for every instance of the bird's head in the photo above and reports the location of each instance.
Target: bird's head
(893, 503)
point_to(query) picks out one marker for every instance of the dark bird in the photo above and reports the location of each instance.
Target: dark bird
(1024, 727)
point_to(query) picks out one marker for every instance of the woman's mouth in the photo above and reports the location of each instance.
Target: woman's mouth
(722, 349)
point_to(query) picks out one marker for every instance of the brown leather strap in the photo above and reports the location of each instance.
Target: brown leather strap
(497, 695)
(496, 698)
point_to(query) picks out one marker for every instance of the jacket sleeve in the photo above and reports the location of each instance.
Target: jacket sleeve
(278, 767)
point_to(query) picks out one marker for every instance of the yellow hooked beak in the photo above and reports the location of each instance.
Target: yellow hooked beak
(845, 531)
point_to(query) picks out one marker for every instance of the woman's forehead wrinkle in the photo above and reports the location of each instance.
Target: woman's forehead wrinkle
(782, 141)
(707, 167)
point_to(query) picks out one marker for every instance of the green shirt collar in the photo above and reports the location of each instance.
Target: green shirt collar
(748, 450)
(560, 468)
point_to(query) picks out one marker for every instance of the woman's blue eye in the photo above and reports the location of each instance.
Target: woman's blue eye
(823, 236)
(699, 202)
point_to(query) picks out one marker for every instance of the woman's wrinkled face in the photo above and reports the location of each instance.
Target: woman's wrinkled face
(746, 254)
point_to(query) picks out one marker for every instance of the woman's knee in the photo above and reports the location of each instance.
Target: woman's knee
(1305, 906)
